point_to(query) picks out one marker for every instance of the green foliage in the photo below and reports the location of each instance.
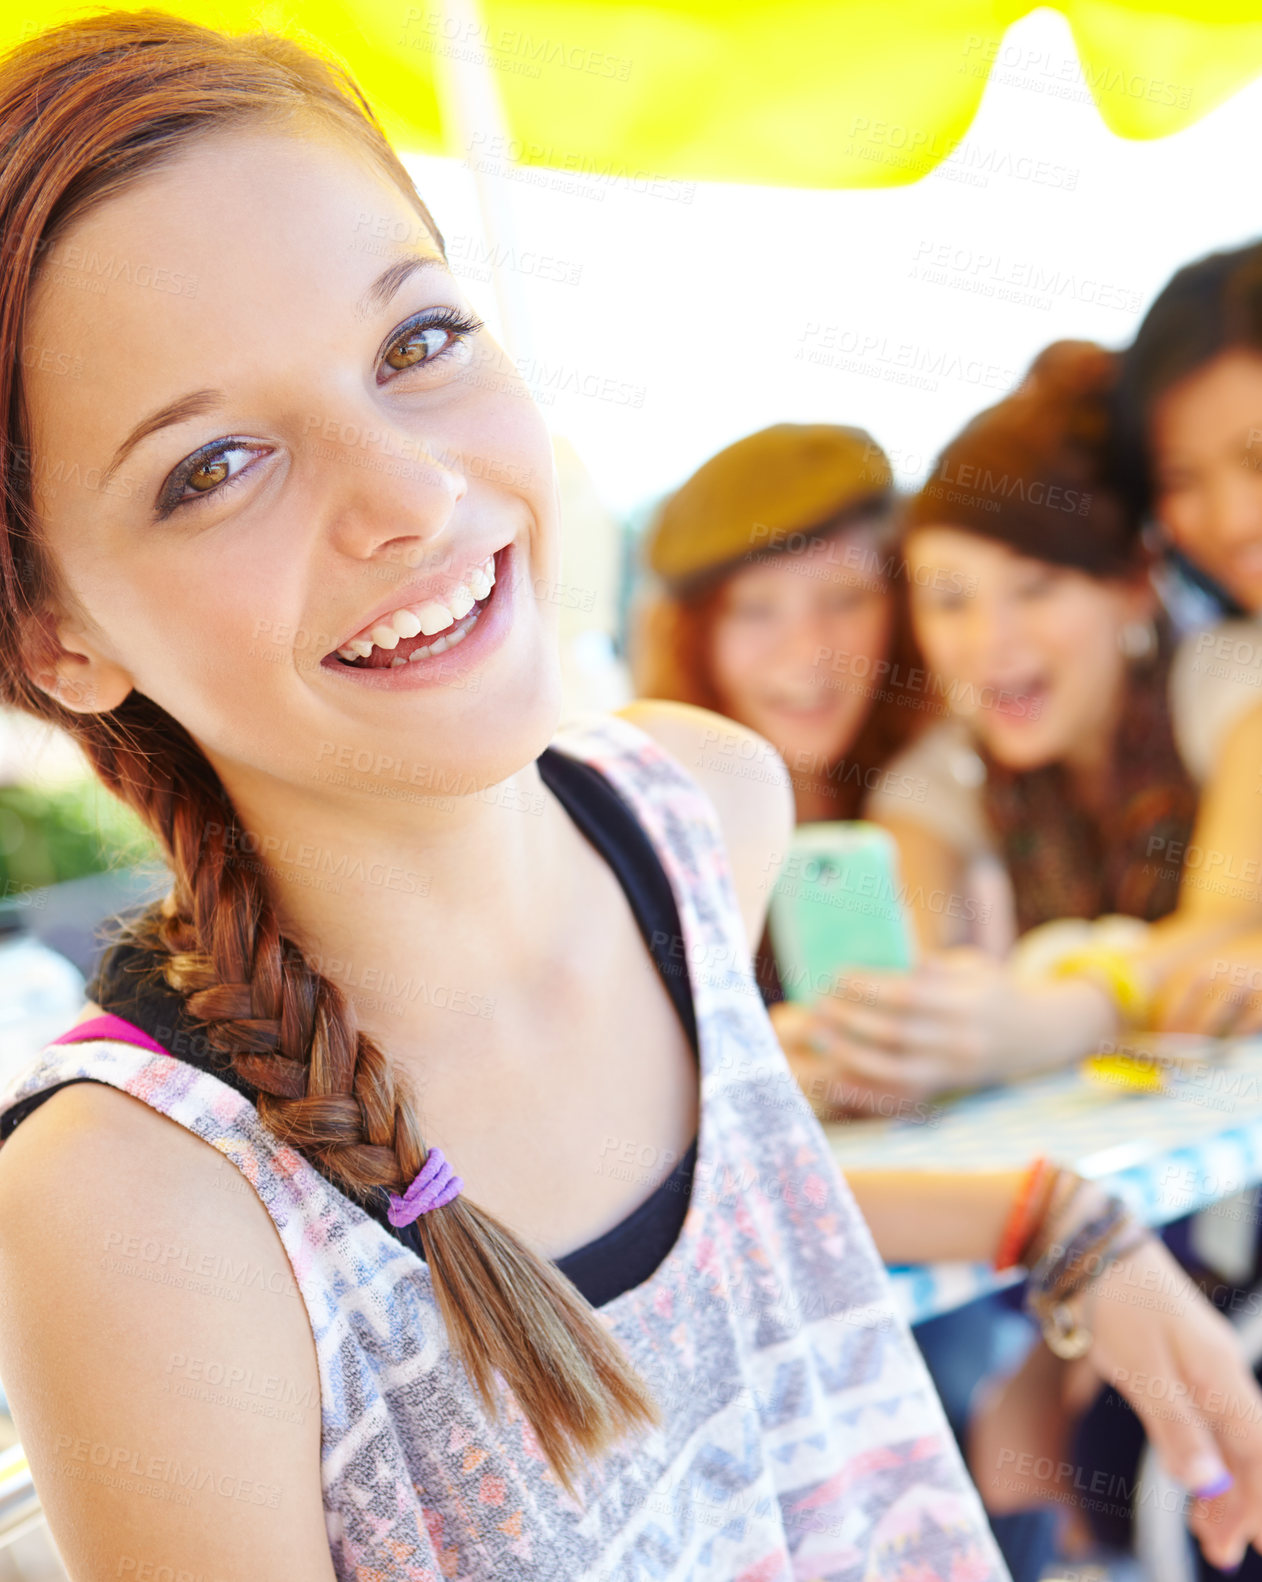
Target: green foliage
(49, 835)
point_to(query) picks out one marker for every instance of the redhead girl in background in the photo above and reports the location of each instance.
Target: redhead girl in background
(272, 650)
(774, 599)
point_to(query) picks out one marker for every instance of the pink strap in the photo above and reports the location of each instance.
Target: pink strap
(108, 1026)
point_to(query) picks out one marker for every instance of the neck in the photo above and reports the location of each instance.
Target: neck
(419, 911)
(1090, 762)
(811, 804)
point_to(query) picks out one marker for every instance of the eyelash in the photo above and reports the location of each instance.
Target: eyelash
(461, 326)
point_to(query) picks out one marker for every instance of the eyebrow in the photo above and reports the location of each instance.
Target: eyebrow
(383, 289)
(391, 279)
(180, 411)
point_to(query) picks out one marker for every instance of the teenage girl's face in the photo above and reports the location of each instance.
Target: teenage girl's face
(791, 636)
(1027, 651)
(1206, 439)
(277, 469)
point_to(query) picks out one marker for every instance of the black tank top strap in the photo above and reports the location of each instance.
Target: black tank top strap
(615, 832)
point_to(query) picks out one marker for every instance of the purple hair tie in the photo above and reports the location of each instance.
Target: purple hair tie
(434, 1187)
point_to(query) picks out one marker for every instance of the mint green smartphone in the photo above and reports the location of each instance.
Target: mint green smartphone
(837, 905)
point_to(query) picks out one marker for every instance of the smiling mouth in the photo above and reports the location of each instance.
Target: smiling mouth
(1021, 702)
(417, 632)
(800, 709)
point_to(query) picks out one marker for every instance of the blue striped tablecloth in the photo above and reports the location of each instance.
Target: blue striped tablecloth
(1169, 1154)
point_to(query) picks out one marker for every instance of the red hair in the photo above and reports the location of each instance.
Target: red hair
(671, 647)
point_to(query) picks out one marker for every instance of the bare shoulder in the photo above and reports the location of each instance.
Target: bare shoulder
(149, 1327)
(91, 1144)
(745, 778)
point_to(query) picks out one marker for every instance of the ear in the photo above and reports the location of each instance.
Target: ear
(1139, 598)
(65, 662)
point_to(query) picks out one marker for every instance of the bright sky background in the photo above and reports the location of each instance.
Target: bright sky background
(707, 313)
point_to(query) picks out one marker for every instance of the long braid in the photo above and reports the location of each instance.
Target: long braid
(325, 1088)
(86, 108)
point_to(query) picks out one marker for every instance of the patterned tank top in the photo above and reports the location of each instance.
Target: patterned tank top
(802, 1440)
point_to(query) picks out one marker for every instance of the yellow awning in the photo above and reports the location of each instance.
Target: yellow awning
(817, 93)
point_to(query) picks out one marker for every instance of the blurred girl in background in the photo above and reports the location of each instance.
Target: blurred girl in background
(1059, 758)
(778, 603)
(1190, 420)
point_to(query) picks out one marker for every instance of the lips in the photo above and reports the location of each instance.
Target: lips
(449, 659)
(793, 717)
(425, 627)
(410, 650)
(1020, 701)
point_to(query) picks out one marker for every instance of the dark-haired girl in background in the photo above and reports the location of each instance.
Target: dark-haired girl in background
(1189, 410)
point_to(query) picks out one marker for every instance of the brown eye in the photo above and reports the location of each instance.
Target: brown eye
(209, 475)
(417, 346)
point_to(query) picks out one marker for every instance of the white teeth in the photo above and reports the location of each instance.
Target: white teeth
(434, 617)
(405, 623)
(442, 644)
(460, 633)
(429, 619)
(397, 661)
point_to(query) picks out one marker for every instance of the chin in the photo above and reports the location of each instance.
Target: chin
(823, 742)
(802, 752)
(816, 752)
(486, 734)
(511, 729)
(1025, 750)
(1247, 593)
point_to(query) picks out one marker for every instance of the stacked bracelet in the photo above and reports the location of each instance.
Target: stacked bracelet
(1025, 1216)
(1065, 1271)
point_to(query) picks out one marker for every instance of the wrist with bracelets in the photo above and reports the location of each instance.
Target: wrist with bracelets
(1062, 1270)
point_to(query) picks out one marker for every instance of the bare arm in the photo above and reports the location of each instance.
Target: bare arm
(149, 1320)
(1222, 867)
(744, 776)
(927, 1216)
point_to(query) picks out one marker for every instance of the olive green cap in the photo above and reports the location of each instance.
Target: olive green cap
(792, 478)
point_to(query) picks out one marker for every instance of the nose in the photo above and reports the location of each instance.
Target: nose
(806, 644)
(992, 628)
(385, 492)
